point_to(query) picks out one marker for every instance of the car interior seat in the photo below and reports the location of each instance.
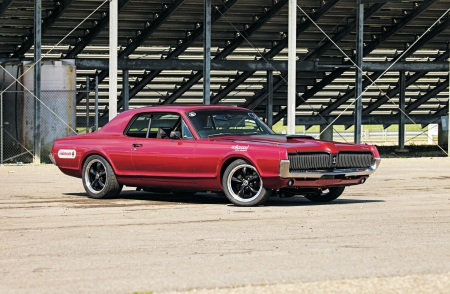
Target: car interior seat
(163, 133)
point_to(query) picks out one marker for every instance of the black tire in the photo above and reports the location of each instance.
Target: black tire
(243, 186)
(326, 195)
(99, 179)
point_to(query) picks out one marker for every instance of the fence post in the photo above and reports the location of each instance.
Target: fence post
(1, 128)
(87, 104)
(96, 102)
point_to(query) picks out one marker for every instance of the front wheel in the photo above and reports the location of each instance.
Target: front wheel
(326, 195)
(99, 179)
(243, 185)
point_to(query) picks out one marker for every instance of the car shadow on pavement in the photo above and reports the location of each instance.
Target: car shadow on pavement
(214, 198)
(302, 201)
(159, 198)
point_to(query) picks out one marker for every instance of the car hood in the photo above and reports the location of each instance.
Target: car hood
(293, 143)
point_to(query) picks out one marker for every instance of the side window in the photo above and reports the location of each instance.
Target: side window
(139, 127)
(158, 125)
(185, 132)
(162, 124)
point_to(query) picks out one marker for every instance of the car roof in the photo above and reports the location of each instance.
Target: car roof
(183, 108)
(118, 123)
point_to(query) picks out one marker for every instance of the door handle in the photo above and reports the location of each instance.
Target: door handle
(137, 145)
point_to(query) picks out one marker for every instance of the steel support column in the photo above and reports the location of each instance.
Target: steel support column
(87, 104)
(292, 55)
(96, 103)
(358, 73)
(401, 112)
(1, 128)
(37, 80)
(126, 89)
(269, 104)
(206, 51)
(113, 26)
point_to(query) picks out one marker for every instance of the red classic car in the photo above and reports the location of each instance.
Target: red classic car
(210, 148)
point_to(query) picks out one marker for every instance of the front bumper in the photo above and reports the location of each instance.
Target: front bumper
(317, 174)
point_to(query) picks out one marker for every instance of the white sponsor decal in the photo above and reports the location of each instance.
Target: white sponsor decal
(239, 148)
(67, 153)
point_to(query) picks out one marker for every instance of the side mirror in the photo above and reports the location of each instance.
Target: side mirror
(175, 135)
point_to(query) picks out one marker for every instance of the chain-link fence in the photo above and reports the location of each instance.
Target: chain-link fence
(57, 119)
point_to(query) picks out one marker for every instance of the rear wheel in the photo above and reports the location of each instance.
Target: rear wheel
(243, 185)
(326, 195)
(99, 179)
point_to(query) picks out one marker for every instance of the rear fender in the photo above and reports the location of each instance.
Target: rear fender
(99, 152)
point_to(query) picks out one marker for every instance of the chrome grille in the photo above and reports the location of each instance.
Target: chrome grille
(319, 161)
(346, 160)
(309, 161)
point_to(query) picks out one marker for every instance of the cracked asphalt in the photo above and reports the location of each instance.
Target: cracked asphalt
(389, 235)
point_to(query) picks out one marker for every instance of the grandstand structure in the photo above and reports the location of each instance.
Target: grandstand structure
(161, 47)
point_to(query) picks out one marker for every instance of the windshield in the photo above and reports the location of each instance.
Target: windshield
(218, 122)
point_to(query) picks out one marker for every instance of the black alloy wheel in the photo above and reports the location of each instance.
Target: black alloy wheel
(99, 179)
(243, 185)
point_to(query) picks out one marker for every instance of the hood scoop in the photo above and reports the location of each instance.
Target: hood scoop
(288, 137)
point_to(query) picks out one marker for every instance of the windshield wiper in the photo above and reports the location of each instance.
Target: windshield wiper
(236, 134)
(252, 133)
(220, 134)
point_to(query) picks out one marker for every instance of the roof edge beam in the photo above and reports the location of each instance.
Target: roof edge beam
(252, 65)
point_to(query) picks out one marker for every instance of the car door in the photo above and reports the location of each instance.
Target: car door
(161, 160)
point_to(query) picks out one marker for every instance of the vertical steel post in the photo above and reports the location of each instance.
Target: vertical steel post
(401, 117)
(1, 128)
(269, 104)
(448, 113)
(292, 55)
(113, 24)
(37, 80)
(207, 52)
(96, 102)
(126, 89)
(87, 104)
(358, 73)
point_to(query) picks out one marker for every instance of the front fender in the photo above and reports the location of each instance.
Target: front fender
(266, 160)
